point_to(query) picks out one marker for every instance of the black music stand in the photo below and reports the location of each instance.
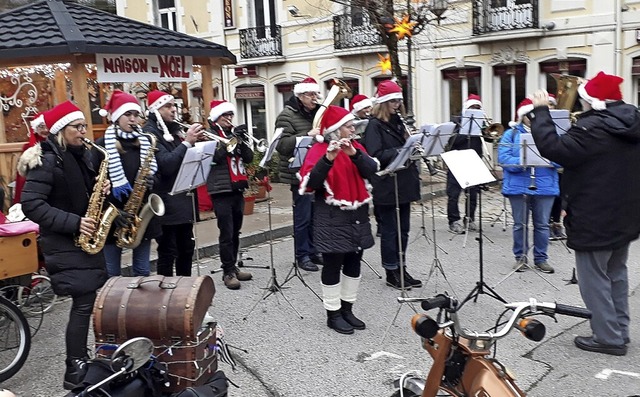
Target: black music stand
(193, 173)
(273, 286)
(469, 170)
(531, 158)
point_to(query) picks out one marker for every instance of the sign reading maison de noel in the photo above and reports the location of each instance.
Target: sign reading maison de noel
(143, 68)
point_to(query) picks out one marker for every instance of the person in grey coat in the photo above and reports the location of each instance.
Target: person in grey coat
(336, 174)
(601, 190)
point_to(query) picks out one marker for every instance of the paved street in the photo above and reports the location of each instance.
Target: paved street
(291, 352)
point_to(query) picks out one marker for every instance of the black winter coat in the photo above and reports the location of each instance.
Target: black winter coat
(130, 158)
(382, 141)
(295, 121)
(337, 230)
(55, 196)
(178, 207)
(219, 179)
(600, 186)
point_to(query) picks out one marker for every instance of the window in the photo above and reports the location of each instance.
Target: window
(512, 89)
(167, 13)
(461, 83)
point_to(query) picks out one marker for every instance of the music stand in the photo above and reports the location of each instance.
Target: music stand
(529, 157)
(193, 173)
(273, 285)
(469, 170)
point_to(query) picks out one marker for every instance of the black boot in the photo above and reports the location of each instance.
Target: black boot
(75, 372)
(410, 281)
(393, 280)
(348, 316)
(337, 323)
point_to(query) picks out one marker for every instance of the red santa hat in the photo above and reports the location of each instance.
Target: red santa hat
(309, 84)
(37, 120)
(524, 107)
(472, 100)
(218, 108)
(157, 99)
(601, 89)
(333, 118)
(552, 100)
(58, 117)
(359, 102)
(120, 103)
(388, 90)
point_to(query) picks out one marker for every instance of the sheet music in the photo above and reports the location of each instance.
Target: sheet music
(467, 167)
(272, 147)
(405, 152)
(195, 167)
(471, 122)
(529, 154)
(562, 120)
(303, 143)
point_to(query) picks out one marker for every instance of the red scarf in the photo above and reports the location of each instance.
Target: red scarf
(237, 172)
(344, 186)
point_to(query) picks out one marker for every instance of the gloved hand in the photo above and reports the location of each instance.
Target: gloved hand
(241, 131)
(149, 181)
(123, 219)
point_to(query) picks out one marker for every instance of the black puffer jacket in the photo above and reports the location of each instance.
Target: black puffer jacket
(295, 121)
(337, 230)
(55, 196)
(130, 158)
(178, 207)
(219, 179)
(600, 186)
(382, 141)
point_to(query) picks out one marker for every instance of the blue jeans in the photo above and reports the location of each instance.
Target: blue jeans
(540, 207)
(302, 224)
(139, 259)
(389, 251)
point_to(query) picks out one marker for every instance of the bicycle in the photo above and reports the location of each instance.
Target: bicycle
(15, 339)
(461, 363)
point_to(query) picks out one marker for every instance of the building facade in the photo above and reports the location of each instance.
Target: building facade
(501, 50)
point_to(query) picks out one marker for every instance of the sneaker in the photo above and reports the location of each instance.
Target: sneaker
(316, 259)
(521, 265)
(75, 373)
(544, 267)
(393, 280)
(306, 264)
(241, 275)
(471, 225)
(231, 281)
(456, 227)
(410, 281)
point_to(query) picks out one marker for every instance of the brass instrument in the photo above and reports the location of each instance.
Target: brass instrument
(131, 235)
(492, 130)
(567, 90)
(230, 143)
(94, 243)
(261, 145)
(338, 90)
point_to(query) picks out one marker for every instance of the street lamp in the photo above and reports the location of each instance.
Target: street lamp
(420, 15)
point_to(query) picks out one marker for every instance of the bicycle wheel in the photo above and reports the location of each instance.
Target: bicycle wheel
(39, 296)
(32, 309)
(15, 339)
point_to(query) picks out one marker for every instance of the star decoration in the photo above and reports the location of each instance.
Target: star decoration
(385, 63)
(403, 27)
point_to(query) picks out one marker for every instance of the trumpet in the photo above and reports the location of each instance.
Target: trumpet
(230, 143)
(260, 144)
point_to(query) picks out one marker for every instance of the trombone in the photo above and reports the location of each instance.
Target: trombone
(230, 143)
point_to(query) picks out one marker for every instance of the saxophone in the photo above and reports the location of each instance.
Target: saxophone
(130, 236)
(94, 243)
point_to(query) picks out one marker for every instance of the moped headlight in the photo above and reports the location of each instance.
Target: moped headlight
(424, 325)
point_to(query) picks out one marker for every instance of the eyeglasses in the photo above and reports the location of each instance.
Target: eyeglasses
(227, 115)
(79, 127)
(395, 100)
(349, 126)
(310, 94)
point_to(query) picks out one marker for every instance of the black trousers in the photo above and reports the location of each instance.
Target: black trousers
(229, 210)
(347, 263)
(78, 325)
(453, 195)
(176, 245)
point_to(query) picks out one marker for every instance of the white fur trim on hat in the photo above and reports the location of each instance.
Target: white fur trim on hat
(337, 125)
(596, 104)
(29, 159)
(126, 107)
(165, 131)
(160, 102)
(472, 102)
(388, 97)
(217, 111)
(365, 103)
(301, 88)
(523, 110)
(60, 124)
(37, 121)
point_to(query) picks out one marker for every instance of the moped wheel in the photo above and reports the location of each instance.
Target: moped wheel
(409, 393)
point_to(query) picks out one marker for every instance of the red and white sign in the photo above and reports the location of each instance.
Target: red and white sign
(143, 68)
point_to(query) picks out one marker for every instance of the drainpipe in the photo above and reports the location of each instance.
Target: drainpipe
(617, 42)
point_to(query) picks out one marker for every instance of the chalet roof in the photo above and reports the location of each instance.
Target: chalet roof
(52, 29)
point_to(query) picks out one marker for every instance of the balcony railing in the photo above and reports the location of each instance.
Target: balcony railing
(502, 15)
(354, 31)
(261, 41)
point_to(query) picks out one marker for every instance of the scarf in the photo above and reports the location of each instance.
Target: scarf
(344, 186)
(237, 172)
(120, 186)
